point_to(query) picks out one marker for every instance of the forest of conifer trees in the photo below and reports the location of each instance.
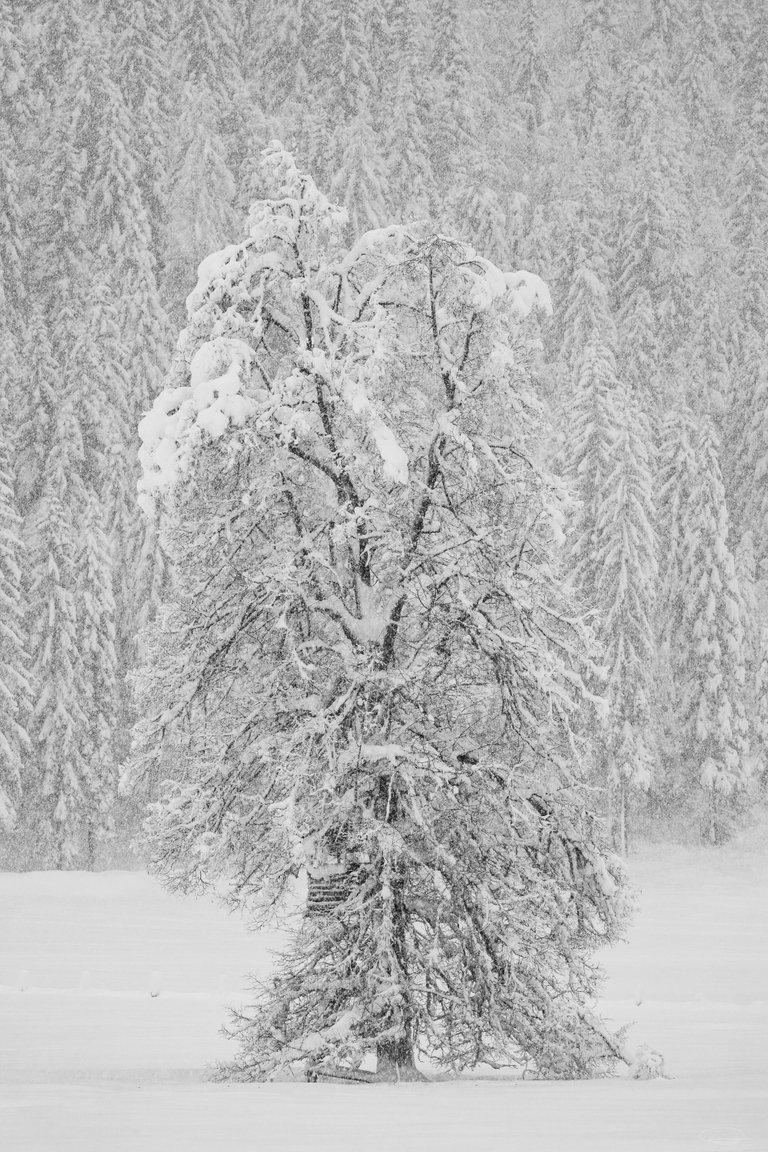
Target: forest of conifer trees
(617, 150)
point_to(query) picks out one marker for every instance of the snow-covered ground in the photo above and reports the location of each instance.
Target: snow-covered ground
(91, 1061)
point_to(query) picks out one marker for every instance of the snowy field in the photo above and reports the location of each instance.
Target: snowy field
(91, 1061)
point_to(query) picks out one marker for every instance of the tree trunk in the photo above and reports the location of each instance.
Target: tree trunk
(619, 818)
(623, 829)
(394, 1060)
(714, 829)
(90, 848)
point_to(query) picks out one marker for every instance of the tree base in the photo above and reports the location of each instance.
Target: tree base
(394, 1062)
(400, 1074)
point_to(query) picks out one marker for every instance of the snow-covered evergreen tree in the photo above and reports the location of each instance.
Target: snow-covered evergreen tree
(625, 593)
(746, 430)
(37, 410)
(666, 22)
(368, 671)
(358, 183)
(652, 276)
(11, 234)
(613, 549)
(127, 330)
(701, 78)
(750, 184)
(586, 314)
(140, 50)
(96, 649)
(711, 665)
(209, 53)
(202, 191)
(60, 786)
(676, 478)
(348, 78)
(595, 52)
(760, 712)
(410, 180)
(752, 594)
(532, 76)
(14, 683)
(470, 204)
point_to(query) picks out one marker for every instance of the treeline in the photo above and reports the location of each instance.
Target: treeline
(618, 150)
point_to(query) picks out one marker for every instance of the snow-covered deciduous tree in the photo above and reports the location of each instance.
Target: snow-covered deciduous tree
(368, 671)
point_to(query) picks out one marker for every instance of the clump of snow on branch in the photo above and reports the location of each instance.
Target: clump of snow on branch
(524, 290)
(212, 388)
(212, 403)
(208, 272)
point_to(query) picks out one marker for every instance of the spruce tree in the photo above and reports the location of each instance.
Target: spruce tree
(11, 235)
(676, 478)
(613, 551)
(59, 796)
(625, 594)
(285, 77)
(711, 665)
(652, 273)
(451, 125)
(96, 636)
(746, 428)
(140, 49)
(752, 595)
(208, 54)
(666, 23)
(127, 328)
(702, 75)
(37, 411)
(749, 224)
(532, 78)
(595, 51)
(75, 432)
(14, 683)
(202, 191)
(348, 77)
(358, 184)
(410, 180)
